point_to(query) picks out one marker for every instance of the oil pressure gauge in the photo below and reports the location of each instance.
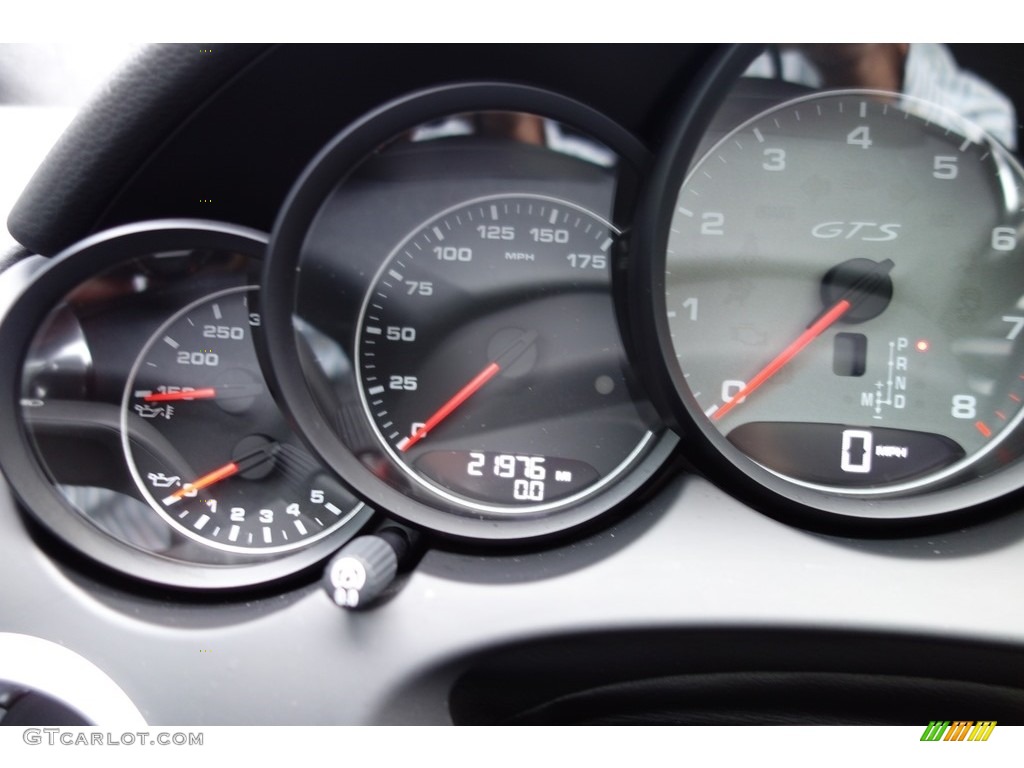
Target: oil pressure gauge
(232, 474)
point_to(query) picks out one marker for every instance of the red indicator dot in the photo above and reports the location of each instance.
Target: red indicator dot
(922, 346)
(983, 429)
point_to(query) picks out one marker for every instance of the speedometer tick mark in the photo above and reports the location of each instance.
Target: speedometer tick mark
(438, 233)
(758, 136)
(965, 145)
(171, 342)
(863, 109)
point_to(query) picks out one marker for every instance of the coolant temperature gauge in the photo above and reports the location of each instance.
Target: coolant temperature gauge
(221, 464)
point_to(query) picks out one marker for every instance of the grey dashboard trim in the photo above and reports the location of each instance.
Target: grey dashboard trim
(696, 559)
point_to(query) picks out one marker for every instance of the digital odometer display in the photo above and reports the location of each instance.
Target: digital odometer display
(489, 359)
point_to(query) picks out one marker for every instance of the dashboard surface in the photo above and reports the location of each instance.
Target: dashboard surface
(683, 600)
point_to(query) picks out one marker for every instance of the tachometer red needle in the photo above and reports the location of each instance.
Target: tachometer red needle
(813, 331)
(445, 410)
(206, 480)
(192, 394)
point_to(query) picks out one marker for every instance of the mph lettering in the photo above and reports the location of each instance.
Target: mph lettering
(865, 231)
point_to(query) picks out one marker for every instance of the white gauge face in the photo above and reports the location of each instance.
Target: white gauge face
(844, 291)
(221, 464)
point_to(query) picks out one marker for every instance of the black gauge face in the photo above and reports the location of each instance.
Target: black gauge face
(218, 462)
(488, 357)
(844, 292)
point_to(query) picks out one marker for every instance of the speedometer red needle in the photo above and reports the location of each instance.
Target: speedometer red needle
(192, 394)
(445, 410)
(205, 481)
(813, 331)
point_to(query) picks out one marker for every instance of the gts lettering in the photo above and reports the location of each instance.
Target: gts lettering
(865, 231)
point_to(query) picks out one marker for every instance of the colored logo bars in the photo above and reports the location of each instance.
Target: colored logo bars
(959, 730)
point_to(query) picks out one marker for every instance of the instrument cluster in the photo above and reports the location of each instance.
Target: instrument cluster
(481, 313)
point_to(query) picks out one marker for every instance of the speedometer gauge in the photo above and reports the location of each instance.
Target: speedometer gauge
(486, 360)
(441, 319)
(842, 295)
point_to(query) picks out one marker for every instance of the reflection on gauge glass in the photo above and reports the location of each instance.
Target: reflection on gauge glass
(844, 292)
(488, 361)
(221, 464)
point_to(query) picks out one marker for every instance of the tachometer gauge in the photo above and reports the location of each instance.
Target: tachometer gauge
(232, 475)
(841, 298)
(486, 357)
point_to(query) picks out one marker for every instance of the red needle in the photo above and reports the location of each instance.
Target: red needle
(206, 480)
(445, 410)
(192, 394)
(801, 341)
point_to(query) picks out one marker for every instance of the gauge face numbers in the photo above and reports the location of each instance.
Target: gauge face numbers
(845, 295)
(207, 445)
(489, 359)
